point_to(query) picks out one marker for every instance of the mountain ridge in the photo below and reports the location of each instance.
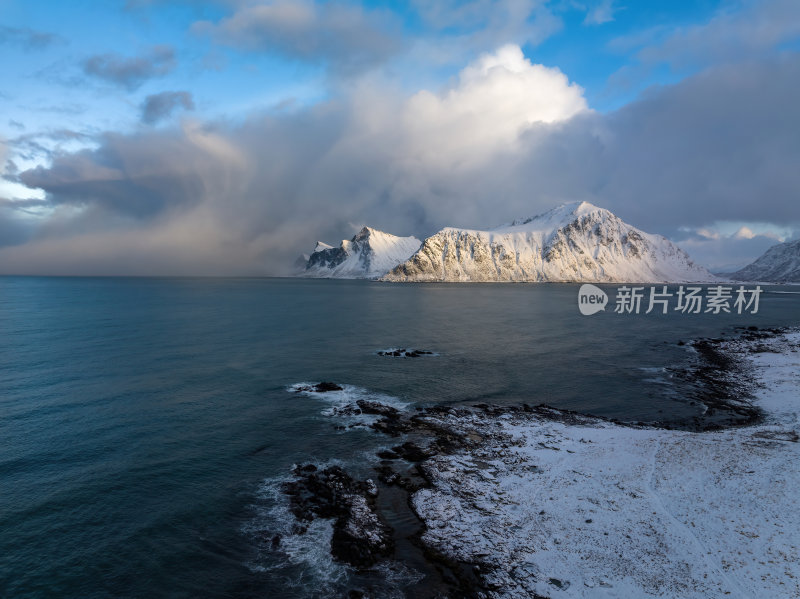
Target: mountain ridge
(779, 264)
(368, 255)
(575, 242)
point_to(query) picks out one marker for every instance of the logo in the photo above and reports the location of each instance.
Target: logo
(591, 299)
(687, 299)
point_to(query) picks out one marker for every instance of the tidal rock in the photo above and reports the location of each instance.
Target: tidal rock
(360, 538)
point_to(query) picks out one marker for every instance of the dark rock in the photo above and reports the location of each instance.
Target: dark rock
(405, 353)
(387, 475)
(374, 407)
(326, 386)
(559, 584)
(360, 538)
(412, 452)
(322, 387)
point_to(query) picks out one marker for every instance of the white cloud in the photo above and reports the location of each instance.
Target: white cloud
(495, 99)
(600, 13)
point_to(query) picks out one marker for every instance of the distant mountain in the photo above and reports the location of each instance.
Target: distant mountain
(368, 255)
(779, 264)
(573, 242)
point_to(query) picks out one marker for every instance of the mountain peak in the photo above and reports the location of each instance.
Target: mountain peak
(368, 255)
(557, 217)
(321, 247)
(365, 233)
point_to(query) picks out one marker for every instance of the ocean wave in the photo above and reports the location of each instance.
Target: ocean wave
(300, 555)
(343, 401)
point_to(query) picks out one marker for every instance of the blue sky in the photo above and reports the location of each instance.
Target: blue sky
(87, 87)
(46, 87)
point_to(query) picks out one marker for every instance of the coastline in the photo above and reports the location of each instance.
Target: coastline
(538, 502)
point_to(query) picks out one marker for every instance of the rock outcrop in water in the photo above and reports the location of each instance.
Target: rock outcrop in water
(574, 242)
(360, 537)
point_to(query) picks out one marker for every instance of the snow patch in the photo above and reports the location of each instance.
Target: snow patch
(600, 510)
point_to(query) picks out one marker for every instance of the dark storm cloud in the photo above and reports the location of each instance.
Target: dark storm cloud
(136, 176)
(131, 72)
(14, 230)
(721, 145)
(160, 106)
(27, 38)
(248, 198)
(345, 36)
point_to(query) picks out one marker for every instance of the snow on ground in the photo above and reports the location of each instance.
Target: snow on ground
(599, 510)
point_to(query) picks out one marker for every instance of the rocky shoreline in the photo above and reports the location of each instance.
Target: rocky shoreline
(448, 460)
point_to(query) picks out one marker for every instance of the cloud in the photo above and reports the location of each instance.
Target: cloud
(38, 144)
(131, 72)
(453, 30)
(507, 138)
(600, 13)
(713, 146)
(517, 21)
(269, 183)
(27, 38)
(726, 253)
(739, 32)
(160, 106)
(344, 36)
(744, 233)
(496, 97)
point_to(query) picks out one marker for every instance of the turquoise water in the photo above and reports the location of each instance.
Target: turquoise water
(143, 422)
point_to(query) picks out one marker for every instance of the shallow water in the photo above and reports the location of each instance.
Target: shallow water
(145, 424)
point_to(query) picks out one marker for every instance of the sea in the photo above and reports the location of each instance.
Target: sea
(146, 424)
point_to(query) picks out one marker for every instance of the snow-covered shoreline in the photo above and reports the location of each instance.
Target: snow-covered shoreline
(581, 507)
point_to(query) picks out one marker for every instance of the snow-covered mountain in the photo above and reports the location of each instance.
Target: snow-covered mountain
(779, 264)
(573, 242)
(370, 254)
